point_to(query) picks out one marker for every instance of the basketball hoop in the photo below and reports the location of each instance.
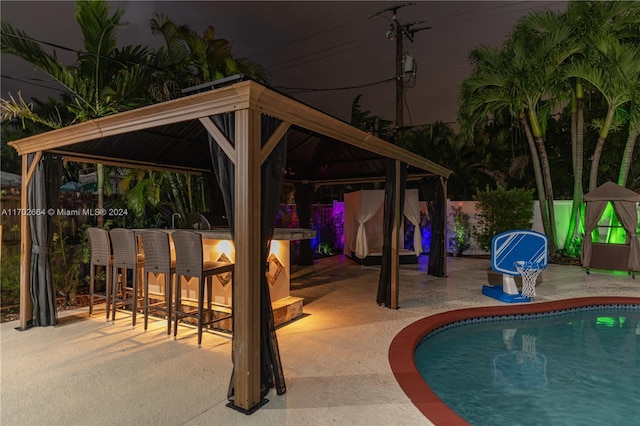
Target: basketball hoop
(529, 272)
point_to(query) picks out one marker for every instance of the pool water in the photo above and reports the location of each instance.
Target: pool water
(580, 367)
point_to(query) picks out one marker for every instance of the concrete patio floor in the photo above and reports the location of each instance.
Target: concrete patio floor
(86, 371)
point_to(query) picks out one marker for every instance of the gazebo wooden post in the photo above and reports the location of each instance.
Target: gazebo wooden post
(395, 240)
(26, 304)
(246, 278)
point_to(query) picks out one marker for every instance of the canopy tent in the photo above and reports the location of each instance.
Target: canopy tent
(175, 136)
(363, 223)
(612, 256)
(8, 180)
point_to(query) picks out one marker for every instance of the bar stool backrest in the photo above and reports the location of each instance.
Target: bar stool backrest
(100, 246)
(125, 250)
(157, 252)
(188, 247)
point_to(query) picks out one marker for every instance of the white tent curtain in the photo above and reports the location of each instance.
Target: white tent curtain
(412, 212)
(368, 207)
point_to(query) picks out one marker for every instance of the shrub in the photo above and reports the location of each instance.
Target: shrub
(66, 260)
(10, 279)
(461, 239)
(330, 236)
(502, 210)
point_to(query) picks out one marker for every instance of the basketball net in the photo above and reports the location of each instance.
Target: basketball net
(528, 357)
(529, 272)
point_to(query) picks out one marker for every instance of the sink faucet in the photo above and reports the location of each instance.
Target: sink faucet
(173, 220)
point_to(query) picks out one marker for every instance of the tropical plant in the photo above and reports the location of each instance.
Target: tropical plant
(501, 87)
(184, 60)
(487, 159)
(611, 64)
(105, 79)
(66, 260)
(374, 124)
(501, 210)
(461, 239)
(10, 278)
(188, 59)
(330, 235)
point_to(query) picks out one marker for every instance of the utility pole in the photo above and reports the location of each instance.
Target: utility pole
(399, 80)
(390, 277)
(398, 32)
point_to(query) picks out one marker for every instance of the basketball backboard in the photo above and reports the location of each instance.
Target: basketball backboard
(511, 246)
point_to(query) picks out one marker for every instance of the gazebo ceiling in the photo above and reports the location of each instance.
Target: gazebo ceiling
(170, 136)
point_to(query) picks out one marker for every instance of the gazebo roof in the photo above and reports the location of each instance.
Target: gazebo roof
(611, 192)
(173, 135)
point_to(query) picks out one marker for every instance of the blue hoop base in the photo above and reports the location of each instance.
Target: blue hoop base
(496, 292)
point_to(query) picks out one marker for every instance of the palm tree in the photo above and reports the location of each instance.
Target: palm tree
(362, 119)
(189, 59)
(513, 81)
(609, 62)
(615, 77)
(589, 22)
(185, 59)
(634, 129)
(105, 80)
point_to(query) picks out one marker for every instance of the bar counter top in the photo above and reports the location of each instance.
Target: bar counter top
(290, 234)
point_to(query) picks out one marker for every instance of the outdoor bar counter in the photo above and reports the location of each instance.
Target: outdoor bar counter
(218, 246)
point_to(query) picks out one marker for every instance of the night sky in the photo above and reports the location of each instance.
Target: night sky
(304, 45)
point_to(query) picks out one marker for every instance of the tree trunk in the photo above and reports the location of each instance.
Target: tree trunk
(548, 187)
(597, 152)
(537, 172)
(546, 180)
(627, 155)
(577, 145)
(177, 196)
(100, 183)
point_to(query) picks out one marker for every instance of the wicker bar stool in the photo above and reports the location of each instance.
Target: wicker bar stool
(100, 247)
(190, 264)
(125, 257)
(157, 260)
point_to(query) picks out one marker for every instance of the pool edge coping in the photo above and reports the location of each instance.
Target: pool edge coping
(403, 345)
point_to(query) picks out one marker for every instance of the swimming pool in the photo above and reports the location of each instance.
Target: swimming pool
(505, 370)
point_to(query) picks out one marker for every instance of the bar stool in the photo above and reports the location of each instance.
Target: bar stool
(100, 256)
(190, 264)
(125, 257)
(157, 260)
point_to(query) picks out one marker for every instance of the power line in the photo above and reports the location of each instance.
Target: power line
(271, 49)
(26, 81)
(81, 52)
(346, 43)
(358, 86)
(437, 20)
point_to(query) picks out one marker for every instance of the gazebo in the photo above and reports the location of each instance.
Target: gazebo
(604, 255)
(251, 138)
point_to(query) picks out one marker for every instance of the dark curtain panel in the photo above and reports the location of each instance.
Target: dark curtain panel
(272, 179)
(384, 283)
(223, 169)
(42, 193)
(433, 194)
(271, 373)
(213, 196)
(304, 200)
